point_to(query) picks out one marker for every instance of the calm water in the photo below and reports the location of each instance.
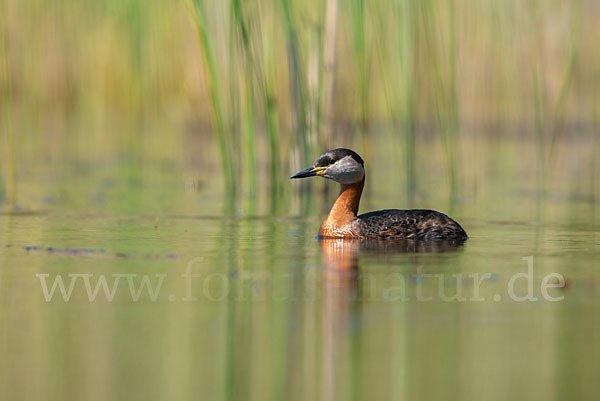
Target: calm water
(249, 305)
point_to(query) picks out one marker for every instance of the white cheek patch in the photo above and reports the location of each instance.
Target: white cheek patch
(345, 171)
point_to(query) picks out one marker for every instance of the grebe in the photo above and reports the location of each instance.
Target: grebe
(347, 168)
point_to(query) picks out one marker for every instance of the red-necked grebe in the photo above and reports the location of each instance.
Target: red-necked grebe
(347, 168)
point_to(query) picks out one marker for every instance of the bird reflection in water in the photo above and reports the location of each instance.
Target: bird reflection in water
(342, 304)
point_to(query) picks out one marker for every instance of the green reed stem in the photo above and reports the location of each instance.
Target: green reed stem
(546, 148)
(234, 121)
(453, 104)
(212, 75)
(297, 82)
(595, 164)
(560, 108)
(249, 134)
(265, 77)
(540, 148)
(408, 34)
(249, 127)
(10, 176)
(357, 9)
(272, 119)
(328, 74)
(445, 91)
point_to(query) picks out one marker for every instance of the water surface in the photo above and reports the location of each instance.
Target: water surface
(252, 306)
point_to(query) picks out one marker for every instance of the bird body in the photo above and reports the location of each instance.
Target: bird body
(409, 224)
(347, 167)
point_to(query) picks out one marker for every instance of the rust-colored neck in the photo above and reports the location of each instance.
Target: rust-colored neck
(344, 209)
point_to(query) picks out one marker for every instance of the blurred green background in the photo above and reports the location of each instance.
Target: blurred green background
(237, 95)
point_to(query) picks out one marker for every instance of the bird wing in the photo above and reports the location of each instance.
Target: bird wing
(413, 224)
